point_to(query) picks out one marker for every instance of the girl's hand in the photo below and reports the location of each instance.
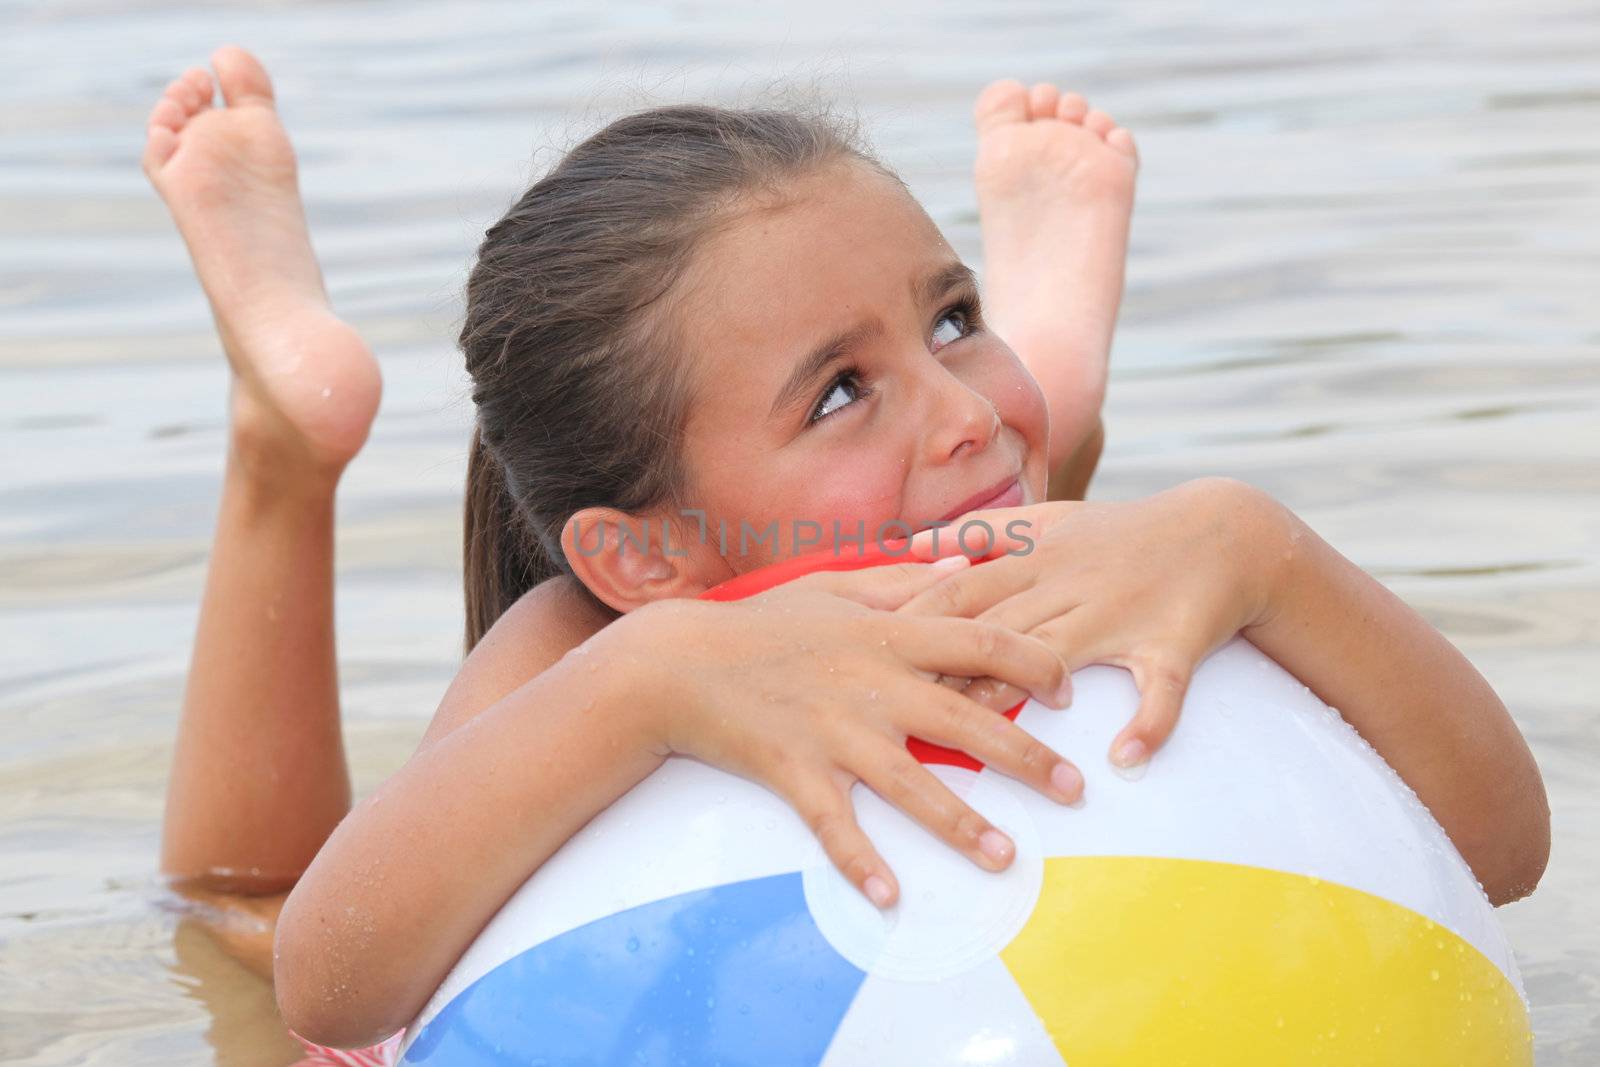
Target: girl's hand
(1153, 586)
(816, 684)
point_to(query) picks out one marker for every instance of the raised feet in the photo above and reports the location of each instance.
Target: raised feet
(1055, 186)
(305, 386)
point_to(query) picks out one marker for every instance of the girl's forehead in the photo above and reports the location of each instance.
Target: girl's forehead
(843, 247)
(846, 233)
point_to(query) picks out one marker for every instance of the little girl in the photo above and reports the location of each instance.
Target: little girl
(706, 338)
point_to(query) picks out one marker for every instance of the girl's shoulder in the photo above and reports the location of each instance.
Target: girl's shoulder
(546, 623)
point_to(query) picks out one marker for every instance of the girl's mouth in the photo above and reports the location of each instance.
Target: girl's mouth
(1006, 494)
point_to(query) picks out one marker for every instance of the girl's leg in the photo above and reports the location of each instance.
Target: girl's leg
(1055, 194)
(259, 777)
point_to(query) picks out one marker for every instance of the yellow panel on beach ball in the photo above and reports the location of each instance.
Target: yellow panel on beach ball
(1134, 959)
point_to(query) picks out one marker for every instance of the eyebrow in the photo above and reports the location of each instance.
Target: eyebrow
(952, 275)
(924, 290)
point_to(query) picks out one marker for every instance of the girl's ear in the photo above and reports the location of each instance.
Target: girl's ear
(627, 561)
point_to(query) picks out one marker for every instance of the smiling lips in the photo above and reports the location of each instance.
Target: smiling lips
(1006, 494)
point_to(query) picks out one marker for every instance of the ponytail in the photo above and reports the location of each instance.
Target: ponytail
(501, 557)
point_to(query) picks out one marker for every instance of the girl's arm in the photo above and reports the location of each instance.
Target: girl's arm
(411, 876)
(1413, 696)
(1156, 585)
(408, 879)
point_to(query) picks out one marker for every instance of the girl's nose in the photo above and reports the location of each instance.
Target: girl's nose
(960, 419)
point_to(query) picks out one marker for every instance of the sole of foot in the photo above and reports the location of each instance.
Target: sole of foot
(1046, 143)
(1055, 181)
(305, 386)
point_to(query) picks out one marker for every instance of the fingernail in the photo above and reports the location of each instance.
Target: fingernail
(1130, 753)
(1066, 781)
(950, 563)
(1063, 695)
(877, 891)
(1131, 760)
(995, 845)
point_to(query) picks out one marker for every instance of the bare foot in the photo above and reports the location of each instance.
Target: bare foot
(1055, 194)
(305, 386)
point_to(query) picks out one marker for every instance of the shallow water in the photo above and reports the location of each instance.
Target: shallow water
(1364, 274)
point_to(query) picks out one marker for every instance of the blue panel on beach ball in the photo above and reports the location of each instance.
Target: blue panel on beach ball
(736, 975)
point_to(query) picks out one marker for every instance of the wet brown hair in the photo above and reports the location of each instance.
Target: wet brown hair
(569, 339)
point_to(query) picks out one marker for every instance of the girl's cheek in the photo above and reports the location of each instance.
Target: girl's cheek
(1027, 411)
(1016, 395)
(856, 492)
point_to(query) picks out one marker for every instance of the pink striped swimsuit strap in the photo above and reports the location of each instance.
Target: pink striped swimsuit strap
(384, 1055)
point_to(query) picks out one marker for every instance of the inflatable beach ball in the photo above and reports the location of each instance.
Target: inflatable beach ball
(1268, 892)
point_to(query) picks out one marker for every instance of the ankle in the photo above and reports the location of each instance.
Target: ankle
(278, 462)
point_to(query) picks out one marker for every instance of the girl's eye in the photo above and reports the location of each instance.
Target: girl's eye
(846, 389)
(952, 326)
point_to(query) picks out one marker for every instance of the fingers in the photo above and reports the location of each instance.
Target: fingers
(953, 721)
(972, 592)
(991, 533)
(989, 693)
(826, 809)
(886, 587)
(1035, 611)
(896, 776)
(1162, 685)
(975, 650)
(1083, 636)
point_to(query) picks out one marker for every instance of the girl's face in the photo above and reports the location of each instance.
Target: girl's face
(841, 373)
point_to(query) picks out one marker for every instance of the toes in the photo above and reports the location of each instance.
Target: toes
(175, 107)
(183, 93)
(1099, 122)
(1073, 108)
(183, 99)
(1122, 141)
(243, 79)
(159, 144)
(1000, 103)
(168, 114)
(1043, 100)
(200, 79)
